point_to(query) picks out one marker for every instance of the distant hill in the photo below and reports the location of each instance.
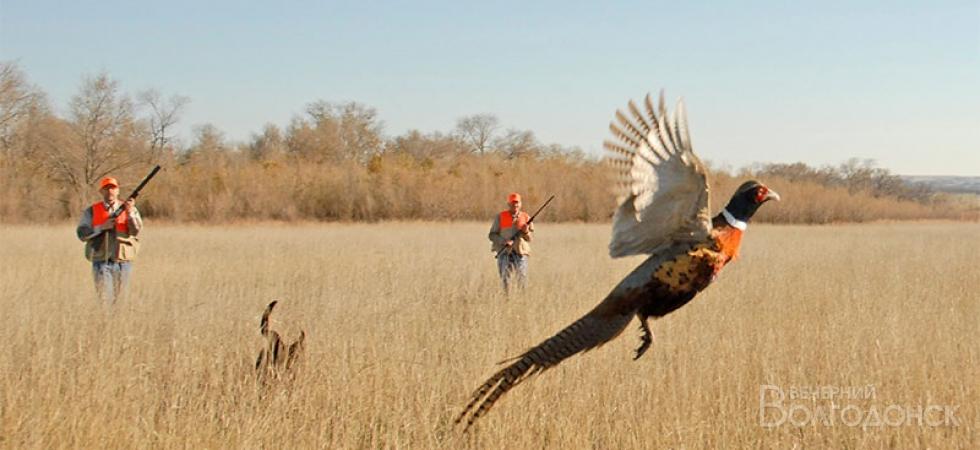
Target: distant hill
(969, 185)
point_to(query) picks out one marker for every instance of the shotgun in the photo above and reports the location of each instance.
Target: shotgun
(134, 194)
(528, 222)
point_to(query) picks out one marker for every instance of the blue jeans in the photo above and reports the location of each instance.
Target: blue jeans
(111, 279)
(511, 266)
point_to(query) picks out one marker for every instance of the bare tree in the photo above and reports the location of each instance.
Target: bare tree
(422, 147)
(309, 141)
(209, 145)
(101, 136)
(349, 131)
(108, 136)
(517, 143)
(17, 101)
(267, 146)
(478, 131)
(164, 115)
(360, 130)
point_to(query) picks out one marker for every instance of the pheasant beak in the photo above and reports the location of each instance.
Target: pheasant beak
(772, 195)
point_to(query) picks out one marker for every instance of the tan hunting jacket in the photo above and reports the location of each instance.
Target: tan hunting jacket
(498, 237)
(111, 245)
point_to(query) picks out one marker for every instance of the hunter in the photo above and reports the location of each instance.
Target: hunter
(110, 244)
(511, 236)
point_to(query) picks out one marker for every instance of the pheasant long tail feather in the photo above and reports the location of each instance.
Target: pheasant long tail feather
(585, 334)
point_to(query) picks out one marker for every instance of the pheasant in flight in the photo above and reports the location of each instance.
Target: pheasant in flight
(663, 212)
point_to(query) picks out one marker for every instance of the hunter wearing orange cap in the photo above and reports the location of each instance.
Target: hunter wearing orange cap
(511, 237)
(110, 242)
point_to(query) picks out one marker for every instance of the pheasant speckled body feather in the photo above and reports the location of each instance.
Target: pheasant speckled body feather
(663, 212)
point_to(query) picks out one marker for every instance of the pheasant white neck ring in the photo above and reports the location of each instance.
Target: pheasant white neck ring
(735, 223)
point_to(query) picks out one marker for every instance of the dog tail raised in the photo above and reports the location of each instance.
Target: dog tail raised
(264, 324)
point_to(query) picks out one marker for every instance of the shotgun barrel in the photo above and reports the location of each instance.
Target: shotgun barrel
(132, 195)
(136, 192)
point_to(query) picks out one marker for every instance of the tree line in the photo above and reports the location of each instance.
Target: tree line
(334, 162)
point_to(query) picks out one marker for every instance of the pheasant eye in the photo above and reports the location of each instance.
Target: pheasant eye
(760, 194)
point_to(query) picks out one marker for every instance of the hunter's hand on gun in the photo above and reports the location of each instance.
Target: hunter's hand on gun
(525, 230)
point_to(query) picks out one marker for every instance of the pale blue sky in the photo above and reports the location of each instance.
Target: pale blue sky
(898, 82)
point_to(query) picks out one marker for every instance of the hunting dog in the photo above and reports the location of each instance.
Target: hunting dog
(277, 357)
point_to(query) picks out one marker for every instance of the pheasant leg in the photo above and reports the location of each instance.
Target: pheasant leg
(645, 339)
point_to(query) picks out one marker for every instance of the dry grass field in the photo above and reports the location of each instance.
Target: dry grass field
(404, 320)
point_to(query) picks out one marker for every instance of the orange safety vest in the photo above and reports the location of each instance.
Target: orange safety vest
(100, 214)
(507, 219)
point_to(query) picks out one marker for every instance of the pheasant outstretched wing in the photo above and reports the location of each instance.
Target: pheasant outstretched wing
(662, 185)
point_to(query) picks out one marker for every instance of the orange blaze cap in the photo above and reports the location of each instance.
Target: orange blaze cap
(108, 181)
(513, 197)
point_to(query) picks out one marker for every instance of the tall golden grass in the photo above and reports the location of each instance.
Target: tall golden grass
(405, 319)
